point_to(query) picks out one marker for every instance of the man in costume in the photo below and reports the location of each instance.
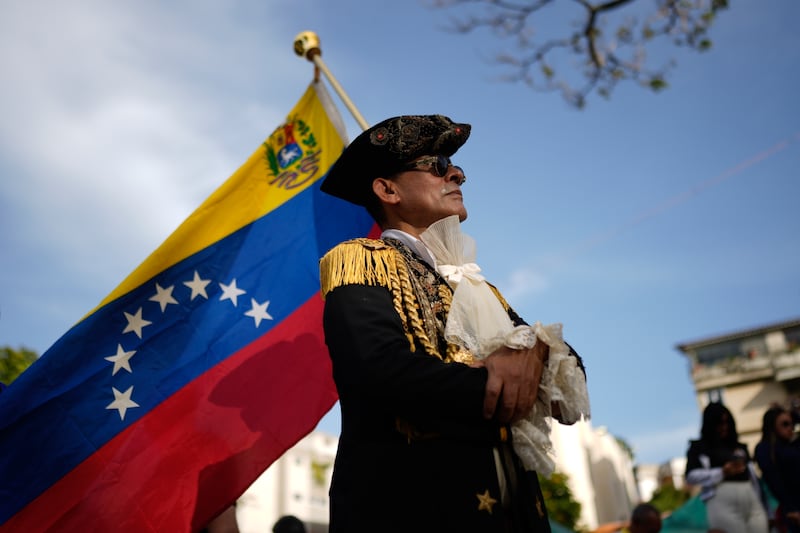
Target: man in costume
(425, 442)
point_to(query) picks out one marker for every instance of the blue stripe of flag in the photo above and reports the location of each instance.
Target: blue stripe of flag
(54, 416)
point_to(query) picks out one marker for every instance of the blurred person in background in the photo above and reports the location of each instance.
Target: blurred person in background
(289, 524)
(721, 466)
(778, 457)
(645, 518)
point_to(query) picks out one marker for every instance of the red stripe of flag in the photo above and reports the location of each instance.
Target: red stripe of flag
(245, 412)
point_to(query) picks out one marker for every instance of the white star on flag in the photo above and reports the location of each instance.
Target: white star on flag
(121, 360)
(198, 286)
(163, 296)
(122, 401)
(136, 323)
(231, 292)
(258, 311)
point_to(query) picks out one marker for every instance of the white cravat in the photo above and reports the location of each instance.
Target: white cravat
(479, 322)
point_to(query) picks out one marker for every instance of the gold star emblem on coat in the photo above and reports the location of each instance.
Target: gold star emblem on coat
(485, 501)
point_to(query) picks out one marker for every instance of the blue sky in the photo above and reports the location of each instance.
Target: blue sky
(639, 223)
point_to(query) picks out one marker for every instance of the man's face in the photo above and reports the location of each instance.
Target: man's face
(425, 197)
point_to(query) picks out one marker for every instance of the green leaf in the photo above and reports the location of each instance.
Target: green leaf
(561, 506)
(658, 84)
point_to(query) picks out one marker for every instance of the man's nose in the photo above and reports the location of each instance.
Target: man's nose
(455, 174)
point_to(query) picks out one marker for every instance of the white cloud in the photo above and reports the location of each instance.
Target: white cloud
(522, 283)
(118, 120)
(114, 138)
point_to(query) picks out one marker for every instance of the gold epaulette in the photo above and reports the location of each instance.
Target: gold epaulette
(358, 262)
(373, 262)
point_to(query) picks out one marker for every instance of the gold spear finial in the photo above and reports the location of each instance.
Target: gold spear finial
(306, 44)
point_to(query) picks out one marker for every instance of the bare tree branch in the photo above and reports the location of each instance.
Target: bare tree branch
(603, 58)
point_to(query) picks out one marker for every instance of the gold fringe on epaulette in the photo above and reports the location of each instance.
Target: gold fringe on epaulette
(357, 262)
(373, 262)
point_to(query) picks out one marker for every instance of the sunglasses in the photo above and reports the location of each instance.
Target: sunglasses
(438, 165)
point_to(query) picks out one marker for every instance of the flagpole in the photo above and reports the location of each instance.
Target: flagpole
(306, 44)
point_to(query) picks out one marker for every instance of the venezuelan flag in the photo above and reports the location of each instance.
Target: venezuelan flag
(163, 404)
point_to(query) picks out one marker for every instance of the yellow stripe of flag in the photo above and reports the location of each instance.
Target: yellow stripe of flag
(259, 186)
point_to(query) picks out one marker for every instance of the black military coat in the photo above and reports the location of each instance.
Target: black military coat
(415, 453)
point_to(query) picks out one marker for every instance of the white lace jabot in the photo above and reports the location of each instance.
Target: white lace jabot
(478, 321)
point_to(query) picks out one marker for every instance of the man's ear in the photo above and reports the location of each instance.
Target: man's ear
(385, 190)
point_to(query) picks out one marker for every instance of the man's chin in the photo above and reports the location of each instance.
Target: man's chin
(461, 214)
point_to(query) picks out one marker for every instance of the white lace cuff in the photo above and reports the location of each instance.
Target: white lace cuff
(563, 383)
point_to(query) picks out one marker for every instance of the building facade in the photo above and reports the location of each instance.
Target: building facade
(600, 472)
(747, 371)
(296, 484)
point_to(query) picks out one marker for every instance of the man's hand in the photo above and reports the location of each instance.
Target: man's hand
(514, 377)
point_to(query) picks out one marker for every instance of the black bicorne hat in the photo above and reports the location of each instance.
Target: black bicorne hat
(386, 148)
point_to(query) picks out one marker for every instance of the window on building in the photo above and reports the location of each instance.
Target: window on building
(792, 338)
(715, 353)
(754, 347)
